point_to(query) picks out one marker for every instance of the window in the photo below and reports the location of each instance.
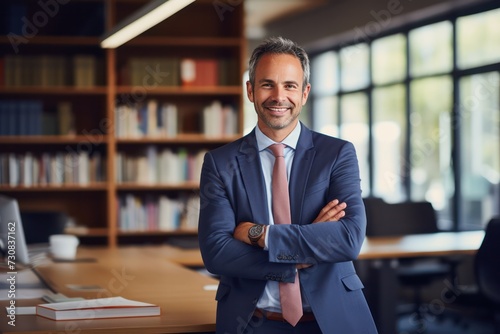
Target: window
(422, 107)
(478, 39)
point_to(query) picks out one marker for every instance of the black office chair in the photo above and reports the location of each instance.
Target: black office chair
(487, 268)
(384, 219)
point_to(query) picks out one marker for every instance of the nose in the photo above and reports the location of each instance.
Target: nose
(278, 94)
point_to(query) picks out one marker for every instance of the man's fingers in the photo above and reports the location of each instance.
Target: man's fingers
(332, 211)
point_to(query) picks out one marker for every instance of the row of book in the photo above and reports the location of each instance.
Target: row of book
(81, 70)
(29, 118)
(219, 120)
(172, 71)
(51, 169)
(155, 166)
(155, 119)
(151, 119)
(157, 213)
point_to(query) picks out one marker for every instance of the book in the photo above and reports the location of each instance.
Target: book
(113, 307)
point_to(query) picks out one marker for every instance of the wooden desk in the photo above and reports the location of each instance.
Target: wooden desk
(186, 298)
(383, 252)
(156, 274)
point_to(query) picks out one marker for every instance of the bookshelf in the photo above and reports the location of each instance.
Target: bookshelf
(98, 134)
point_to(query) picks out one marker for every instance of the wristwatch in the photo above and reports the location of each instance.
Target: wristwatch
(255, 233)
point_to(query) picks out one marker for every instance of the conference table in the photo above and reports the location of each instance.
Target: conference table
(160, 275)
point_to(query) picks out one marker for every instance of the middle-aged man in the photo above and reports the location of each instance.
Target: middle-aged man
(283, 251)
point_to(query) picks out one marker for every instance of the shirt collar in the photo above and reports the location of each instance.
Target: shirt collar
(264, 141)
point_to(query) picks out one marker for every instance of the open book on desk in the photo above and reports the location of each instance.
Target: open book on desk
(114, 307)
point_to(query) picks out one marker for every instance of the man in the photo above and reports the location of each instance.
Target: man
(255, 251)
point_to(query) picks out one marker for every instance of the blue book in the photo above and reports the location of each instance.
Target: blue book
(11, 118)
(3, 118)
(22, 117)
(35, 118)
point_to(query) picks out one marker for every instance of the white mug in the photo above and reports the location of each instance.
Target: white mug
(63, 246)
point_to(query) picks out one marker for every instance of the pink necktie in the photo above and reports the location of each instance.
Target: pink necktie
(291, 302)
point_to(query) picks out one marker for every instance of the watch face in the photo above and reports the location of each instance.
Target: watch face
(255, 231)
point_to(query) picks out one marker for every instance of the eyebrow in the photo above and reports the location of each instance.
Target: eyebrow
(288, 82)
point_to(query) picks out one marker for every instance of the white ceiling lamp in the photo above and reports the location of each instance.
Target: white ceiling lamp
(142, 20)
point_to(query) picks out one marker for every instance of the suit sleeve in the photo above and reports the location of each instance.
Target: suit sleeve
(326, 241)
(222, 254)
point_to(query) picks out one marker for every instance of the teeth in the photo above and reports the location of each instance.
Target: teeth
(278, 109)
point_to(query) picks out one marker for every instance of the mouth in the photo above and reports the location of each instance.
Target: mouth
(277, 110)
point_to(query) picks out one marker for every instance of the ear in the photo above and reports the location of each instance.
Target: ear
(305, 94)
(249, 91)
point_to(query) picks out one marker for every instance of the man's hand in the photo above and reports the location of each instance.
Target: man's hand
(241, 232)
(332, 211)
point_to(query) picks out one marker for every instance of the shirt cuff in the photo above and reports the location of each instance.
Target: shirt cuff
(266, 236)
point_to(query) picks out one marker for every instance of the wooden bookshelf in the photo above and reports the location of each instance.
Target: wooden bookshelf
(93, 82)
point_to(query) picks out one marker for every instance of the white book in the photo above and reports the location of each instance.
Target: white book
(152, 121)
(28, 169)
(13, 170)
(113, 307)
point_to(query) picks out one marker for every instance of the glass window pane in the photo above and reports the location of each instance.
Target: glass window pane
(389, 137)
(431, 49)
(325, 115)
(324, 74)
(430, 144)
(354, 128)
(480, 134)
(354, 67)
(389, 59)
(478, 39)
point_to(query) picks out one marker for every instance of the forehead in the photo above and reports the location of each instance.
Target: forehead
(278, 64)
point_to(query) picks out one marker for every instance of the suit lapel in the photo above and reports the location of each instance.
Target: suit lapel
(253, 180)
(302, 163)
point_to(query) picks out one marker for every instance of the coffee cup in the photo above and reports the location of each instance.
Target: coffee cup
(63, 246)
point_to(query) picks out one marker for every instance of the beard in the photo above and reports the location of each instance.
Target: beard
(274, 122)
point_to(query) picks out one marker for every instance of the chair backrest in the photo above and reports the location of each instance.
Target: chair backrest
(394, 219)
(487, 264)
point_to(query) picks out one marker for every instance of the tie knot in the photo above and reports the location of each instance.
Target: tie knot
(277, 149)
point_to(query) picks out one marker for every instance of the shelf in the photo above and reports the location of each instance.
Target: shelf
(146, 187)
(82, 231)
(179, 90)
(50, 188)
(53, 90)
(57, 40)
(180, 139)
(179, 232)
(74, 86)
(59, 140)
(188, 41)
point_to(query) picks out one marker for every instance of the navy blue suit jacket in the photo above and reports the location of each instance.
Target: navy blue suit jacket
(233, 190)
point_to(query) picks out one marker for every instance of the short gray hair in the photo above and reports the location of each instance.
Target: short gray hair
(279, 45)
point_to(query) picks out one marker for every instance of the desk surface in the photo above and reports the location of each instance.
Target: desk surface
(155, 274)
(186, 297)
(435, 244)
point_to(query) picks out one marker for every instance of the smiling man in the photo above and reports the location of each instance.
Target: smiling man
(281, 216)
